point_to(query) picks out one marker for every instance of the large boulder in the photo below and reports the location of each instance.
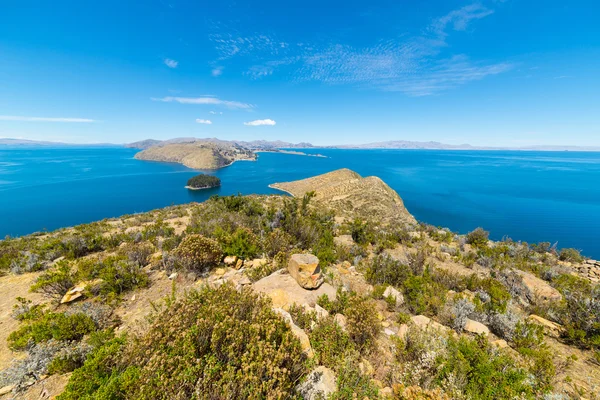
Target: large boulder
(319, 384)
(284, 290)
(476, 327)
(538, 289)
(304, 268)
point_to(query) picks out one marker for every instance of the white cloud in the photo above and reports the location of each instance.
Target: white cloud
(204, 121)
(205, 100)
(215, 112)
(43, 119)
(260, 122)
(171, 63)
(217, 71)
(409, 64)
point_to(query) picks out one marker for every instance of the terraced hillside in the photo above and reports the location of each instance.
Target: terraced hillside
(353, 196)
(197, 155)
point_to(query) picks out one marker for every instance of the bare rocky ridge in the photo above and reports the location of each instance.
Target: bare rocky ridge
(352, 196)
(197, 155)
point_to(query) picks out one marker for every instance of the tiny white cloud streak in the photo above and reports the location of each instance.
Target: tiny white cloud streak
(205, 101)
(171, 63)
(260, 122)
(44, 119)
(216, 72)
(204, 121)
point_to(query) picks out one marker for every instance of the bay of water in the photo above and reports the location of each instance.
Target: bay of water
(528, 196)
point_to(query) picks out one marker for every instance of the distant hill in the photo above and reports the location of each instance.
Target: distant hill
(198, 154)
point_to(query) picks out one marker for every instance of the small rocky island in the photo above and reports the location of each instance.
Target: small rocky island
(203, 182)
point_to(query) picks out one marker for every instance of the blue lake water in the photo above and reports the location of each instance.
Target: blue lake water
(529, 196)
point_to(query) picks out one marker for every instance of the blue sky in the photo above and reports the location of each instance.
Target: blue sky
(512, 72)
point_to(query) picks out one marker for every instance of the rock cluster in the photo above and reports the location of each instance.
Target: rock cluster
(589, 269)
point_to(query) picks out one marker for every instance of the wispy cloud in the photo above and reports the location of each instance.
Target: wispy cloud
(43, 119)
(416, 65)
(171, 63)
(460, 19)
(204, 121)
(209, 100)
(260, 122)
(218, 71)
(215, 112)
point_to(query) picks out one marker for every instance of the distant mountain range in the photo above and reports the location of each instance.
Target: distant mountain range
(394, 144)
(252, 145)
(279, 144)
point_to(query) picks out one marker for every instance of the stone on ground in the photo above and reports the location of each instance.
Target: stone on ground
(476, 327)
(297, 331)
(391, 291)
(319, 384)
(304, 268)
(550, 328)
(285, 291)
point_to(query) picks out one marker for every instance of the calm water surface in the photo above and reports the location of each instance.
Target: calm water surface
(530, 196)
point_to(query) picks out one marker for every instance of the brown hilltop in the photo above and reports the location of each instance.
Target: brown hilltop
(197, 155)
(352, 196)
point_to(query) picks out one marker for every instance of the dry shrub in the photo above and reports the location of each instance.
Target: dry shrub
(197, 252)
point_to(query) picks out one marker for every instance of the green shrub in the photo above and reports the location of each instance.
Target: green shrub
(120, 275)
(242, 243)
(423, 295)
(571, 255)
(56, 282)
(197, 252)
(103, 375)
(361, 232)
(57, 326)
(478, 238)
(384, 270)
(302, 317)
(352, 384)
(210, 344)
(330, 343)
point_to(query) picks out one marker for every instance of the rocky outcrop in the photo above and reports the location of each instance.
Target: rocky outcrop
(550, 328)
(589, 269)
(352, 196)
(538, 289)
(285, 291)
(304, 268)
(198, 155)
(319, 384)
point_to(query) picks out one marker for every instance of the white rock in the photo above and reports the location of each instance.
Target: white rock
(393, 292)
(341, 320)
(173, 276)
(321, 312)
(319, 384)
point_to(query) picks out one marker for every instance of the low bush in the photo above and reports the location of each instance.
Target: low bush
(210, 344)
(331, 344)
(478, 238)
(571, 255)
(57, 326)
(197, 252)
